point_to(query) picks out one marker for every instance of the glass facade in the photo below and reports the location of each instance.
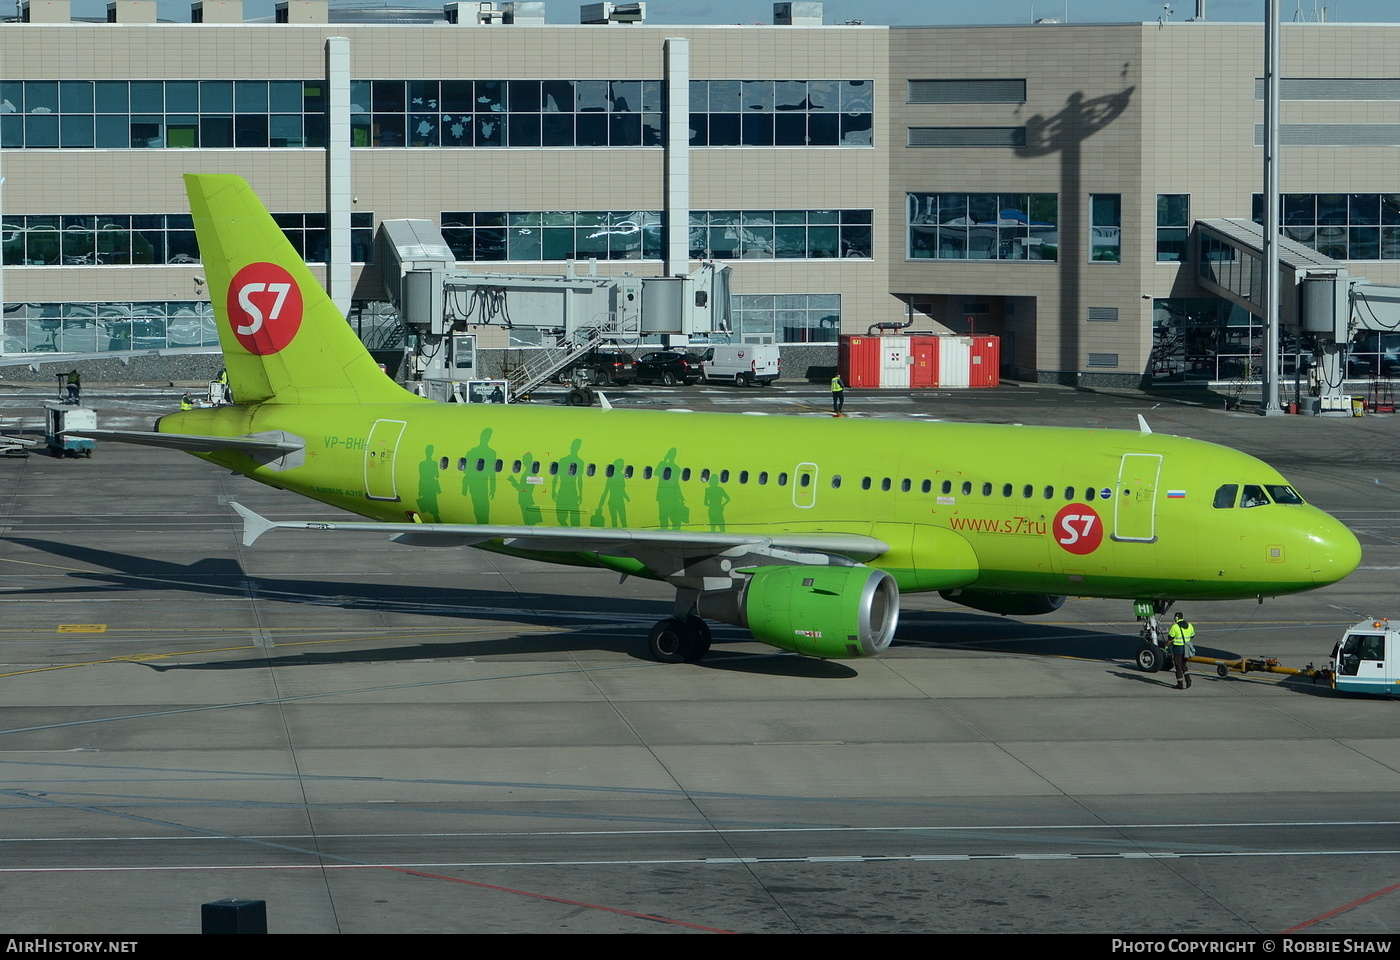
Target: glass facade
(156, 238)
(789, 317)
(553, 235)
(780, 234)
(782, 113)
(1173, 226)
(143, 114)
(1343, 226)
(1239, 271)
(95, 327)
(636, 235)
(505, 113)
(1210, 339)
(983, 226)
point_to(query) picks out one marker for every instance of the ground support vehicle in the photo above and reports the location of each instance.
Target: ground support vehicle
(1364, 660)
(742, 364)
(60, 421)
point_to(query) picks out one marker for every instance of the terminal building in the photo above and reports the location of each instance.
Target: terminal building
(1084, 191)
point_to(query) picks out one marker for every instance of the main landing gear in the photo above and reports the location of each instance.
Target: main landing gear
(1152, 653)
(679, 640)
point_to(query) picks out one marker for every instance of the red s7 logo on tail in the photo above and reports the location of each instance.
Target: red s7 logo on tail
(264, 308)
(1077, 528)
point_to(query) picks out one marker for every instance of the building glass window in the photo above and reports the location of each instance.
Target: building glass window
(1173, 226)
(151, 239)
(98, 327)
(553, 235)
(506, 113)
(781, 113)
(1357, 226)
(781, 234)
(789, 318)
(636, 235)
(1105, 227)
(174, 114)
(983, 226)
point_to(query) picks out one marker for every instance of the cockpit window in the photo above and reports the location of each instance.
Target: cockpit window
(1225, 496)
(1283, 493)
(1253, 496)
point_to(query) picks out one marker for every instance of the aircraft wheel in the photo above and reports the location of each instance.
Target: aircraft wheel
(1150, 658)
(671, 641)
(1221, 670)
(576, 398)
(700, 630)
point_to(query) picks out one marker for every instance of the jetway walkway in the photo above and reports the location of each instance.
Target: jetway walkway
(1328, 305)
(565, 314)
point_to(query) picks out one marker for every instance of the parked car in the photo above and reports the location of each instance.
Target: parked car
(603, 367)
(668, 367)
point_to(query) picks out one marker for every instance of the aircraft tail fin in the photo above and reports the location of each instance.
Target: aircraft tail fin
(284, 341)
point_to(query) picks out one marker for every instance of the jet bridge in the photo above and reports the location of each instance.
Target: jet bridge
(565, 315)
(1330, 307)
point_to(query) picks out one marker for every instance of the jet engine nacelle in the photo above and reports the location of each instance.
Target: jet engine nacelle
(831, 612)
(998, 601)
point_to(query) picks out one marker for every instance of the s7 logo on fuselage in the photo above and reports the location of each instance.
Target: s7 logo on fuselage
(1077, 528)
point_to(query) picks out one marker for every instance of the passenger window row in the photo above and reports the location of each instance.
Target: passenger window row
(968, 488)
(763, 477)
(627, 471)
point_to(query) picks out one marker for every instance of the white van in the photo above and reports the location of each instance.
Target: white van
(743, 364)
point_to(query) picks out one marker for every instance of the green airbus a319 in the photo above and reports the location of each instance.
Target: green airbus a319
(804, 531)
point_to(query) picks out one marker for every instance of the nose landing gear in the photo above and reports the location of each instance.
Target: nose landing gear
(1152, 653)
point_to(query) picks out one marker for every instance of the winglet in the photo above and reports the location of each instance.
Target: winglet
(1142, 424)
(603, 400)
(254, 526)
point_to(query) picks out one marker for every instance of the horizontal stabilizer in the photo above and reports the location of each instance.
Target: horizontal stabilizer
(581, 539)
(254, 525)
(195, 444)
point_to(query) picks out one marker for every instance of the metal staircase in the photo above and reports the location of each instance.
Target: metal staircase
(544, 363)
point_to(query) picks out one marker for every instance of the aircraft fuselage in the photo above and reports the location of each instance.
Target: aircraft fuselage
(1103, 513)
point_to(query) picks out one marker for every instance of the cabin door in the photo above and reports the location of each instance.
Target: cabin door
(380, 451)
(1135, 509)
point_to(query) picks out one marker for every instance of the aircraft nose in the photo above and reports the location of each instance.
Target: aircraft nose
(1335, 552)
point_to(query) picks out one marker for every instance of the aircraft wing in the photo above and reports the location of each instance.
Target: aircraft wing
(276, 443)
(645, 545)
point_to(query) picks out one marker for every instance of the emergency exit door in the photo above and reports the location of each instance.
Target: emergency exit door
(381, 449)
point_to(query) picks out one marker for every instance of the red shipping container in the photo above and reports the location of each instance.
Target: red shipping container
(986, 362)
(935, 361)
(858, 360)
